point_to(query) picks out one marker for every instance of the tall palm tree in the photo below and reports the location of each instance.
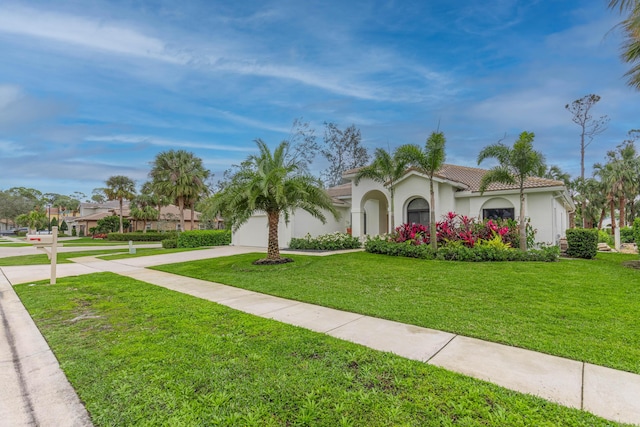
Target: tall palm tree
(631, 46)
(427, 161)
(386, 169)
(180, 176)
(516, 164)
(120, 187)
(275, 184)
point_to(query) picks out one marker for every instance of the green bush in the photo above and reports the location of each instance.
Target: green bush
(626, 235)
(582, 243)
(457, 251)
(170, 243)
(143, 237)
(199, 238)
(605, 237)
(636, 231)
(326, 242)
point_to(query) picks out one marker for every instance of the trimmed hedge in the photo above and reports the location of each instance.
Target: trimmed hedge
(582, 242)
(326, 242)
(199, 238)
(169, 243)
(143, 237)
(627, 235)
(459, 252)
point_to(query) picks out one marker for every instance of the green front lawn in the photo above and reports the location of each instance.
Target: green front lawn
(63, 257)
(585, 310)
(139, 354)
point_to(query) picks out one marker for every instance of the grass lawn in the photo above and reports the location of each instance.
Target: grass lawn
(63, 257)
(585, 310)
(138, 354)
(88, 241)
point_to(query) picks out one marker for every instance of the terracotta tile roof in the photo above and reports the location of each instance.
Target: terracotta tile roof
(468, 177)
(471, 178)
(342, 190)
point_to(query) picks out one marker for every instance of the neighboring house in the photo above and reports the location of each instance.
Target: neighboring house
(90, 213)
(365, 207)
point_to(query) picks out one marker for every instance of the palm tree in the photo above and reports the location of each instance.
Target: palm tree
(118, 188)
(427, 161)
(386, 169)
(554, 172)
(515, 166)
(143, 206)
(631, 46)
(271, 183)
(180, 176)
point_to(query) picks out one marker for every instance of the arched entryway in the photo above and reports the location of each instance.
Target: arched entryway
(374, 216)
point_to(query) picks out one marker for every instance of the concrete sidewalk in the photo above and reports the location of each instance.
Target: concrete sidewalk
(611, 394)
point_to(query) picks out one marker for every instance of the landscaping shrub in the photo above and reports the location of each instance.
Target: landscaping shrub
(143, 237)
(582, 243)
(469, 231)
(199, 238)
(170, 243)
(636, 231)
(626, 235)
(326, 242)
(485, 250)
(605, 237)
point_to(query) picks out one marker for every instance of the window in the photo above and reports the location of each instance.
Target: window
(498, 213)
(418, 212)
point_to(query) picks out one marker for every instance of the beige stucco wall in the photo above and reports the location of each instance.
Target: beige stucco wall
(256, 233)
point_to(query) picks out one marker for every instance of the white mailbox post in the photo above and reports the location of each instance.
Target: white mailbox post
(48, 243)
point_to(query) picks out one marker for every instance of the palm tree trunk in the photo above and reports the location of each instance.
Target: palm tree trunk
(433, 237)
(121, 230)
(273, 248)
(522, 225)
(392, 219)
(612, 206)
(181, 209)
(622, 211)
(602, 213)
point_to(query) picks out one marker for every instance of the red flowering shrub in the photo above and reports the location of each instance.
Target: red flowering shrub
(459, 228)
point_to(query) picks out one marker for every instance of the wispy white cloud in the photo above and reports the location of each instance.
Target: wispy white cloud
(163, 142)
(82, 31)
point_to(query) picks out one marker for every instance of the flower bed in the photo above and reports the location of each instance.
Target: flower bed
(326, 242)
(461, 238)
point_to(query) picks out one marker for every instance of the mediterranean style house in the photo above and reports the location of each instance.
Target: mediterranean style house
(365, 209)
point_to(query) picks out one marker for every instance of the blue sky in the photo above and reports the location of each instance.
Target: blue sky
(90, 89)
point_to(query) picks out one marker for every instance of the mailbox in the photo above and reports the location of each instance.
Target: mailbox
(40, 239)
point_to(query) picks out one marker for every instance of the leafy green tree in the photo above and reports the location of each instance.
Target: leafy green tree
(386, 169)
(34, 220)
(63, 226)
(516, 164)
(631, 46)
(274, 183)
(110, 224)
(428, 161)
(120, 188)
(180, 176)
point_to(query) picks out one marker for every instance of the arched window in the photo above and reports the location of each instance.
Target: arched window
(418, 212)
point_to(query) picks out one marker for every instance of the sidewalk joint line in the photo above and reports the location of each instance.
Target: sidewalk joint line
(582, 388)
(345, 324)
(441, 348)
